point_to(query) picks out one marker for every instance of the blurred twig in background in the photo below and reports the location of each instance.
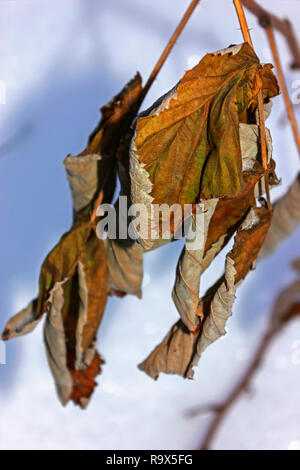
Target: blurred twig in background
(16, 139)
(262, 129)
(286, 308)
(267, 19)
(288, 104)
(270, 23)
(285, 220)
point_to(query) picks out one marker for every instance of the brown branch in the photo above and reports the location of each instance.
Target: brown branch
(240, 388)
(284, 26)
(97, 204)
(203, 409)
(243, 21)
(285, 309)
(168, 48)
(263, 143)
(289, 106)
(16, 139)
(153, 76)
(263, 140)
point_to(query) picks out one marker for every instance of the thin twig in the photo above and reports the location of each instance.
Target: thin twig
(240, 388)
(263, 140)
(168, 48)
(243, 21)
(203, 409)
(289, 106)
(16, 139)
(282, 25)
(286, 308)
(263, 143)
(153, 76)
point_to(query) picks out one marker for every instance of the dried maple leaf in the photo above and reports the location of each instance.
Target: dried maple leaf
(84, 381)
(180, 350)
(168, 145)
(73, 292)
(190, 266)
(187, 144)
(287, 303)
(73, 280)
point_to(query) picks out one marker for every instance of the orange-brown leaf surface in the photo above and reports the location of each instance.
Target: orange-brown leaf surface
(84, 381)
(95, 168)
(199, 144)
(61, 263)
(92, 272)
(188, 142)
(181, 349)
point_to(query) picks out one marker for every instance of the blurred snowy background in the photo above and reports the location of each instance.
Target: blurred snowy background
(61, 61)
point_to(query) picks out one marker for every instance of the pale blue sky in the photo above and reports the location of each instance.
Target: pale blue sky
(61, 61)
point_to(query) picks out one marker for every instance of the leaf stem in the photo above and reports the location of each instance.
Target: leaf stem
(243, 21)
(264, 153)
(168, 48)
(289, 107)
(282, 25)
(153, 76)
(98, 202)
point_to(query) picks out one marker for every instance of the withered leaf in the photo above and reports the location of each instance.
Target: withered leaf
(187, 145)
(230, 210)
(189, 269)
(296, 264)
(84, 381)
(56, 346)
(220, 225)
(249, 240)
(125, 267)
(73, 278)
(180, 350)
(61, 263)
(94, 169)
(76, 310)
(92, 274)
(22, 323)
(173, 354)
(205, 128)
(73, 291)
(58, 267)
(83, 177)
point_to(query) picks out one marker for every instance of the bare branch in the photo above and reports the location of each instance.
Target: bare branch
(262, 130)
(169, 47)
(288, 104)
(152, 77)
(286, 308)
(284, 26)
